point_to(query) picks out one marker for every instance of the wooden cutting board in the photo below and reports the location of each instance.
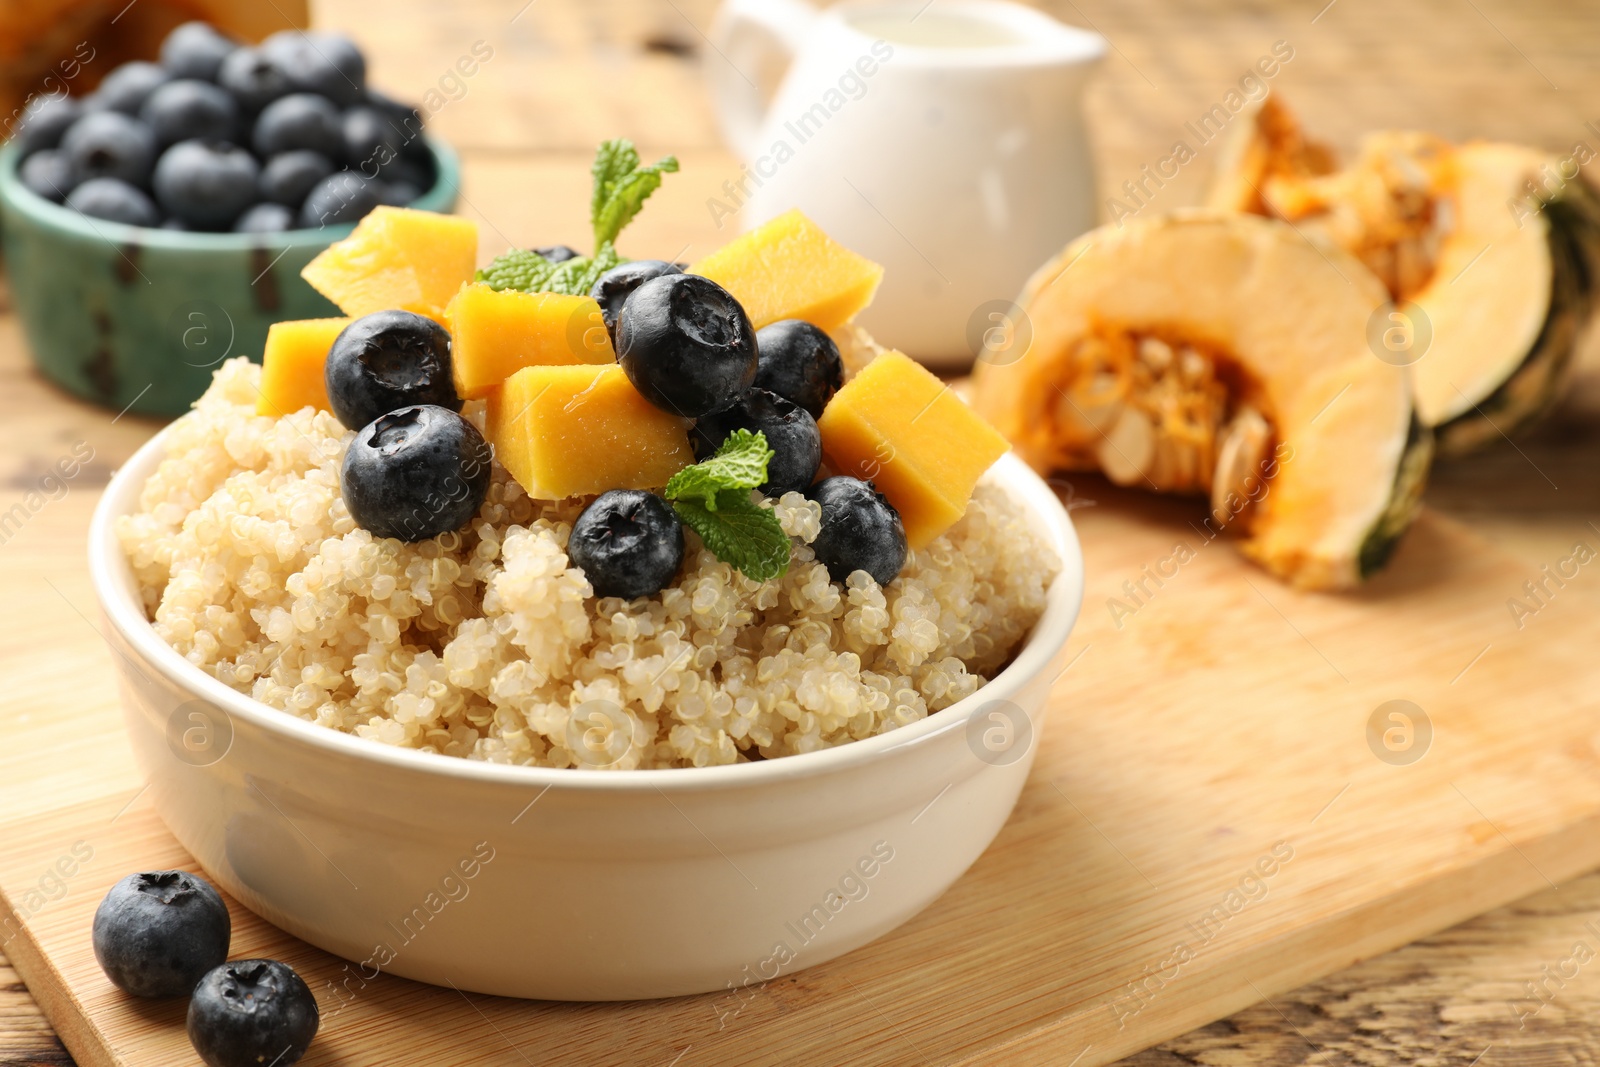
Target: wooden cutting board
(1208, 824)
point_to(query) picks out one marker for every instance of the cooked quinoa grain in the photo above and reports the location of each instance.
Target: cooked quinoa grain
(485, 643)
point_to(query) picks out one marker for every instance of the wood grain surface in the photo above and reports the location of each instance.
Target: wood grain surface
(1491, 990)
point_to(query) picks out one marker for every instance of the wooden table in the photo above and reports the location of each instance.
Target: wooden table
(566, 73)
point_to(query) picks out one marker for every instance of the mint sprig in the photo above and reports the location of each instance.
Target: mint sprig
(621, 186)
(712, 498)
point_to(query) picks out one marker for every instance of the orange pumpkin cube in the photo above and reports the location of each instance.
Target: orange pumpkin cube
(397, 258)
(495, 334)
(898, 426)
(580, 430)
(292, 365)
(789, 269)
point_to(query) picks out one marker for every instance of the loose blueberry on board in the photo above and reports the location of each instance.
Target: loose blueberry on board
(287, 178)
(187, 109)
(299, 120)
(49, 173)
(265, 218)
(557, 253)
(612, 289)
(252, 1013)
(790, 430)
(195, 50)
(115, 200)
(158, 932)
(861, 531)
(629, 544)
(109, 144)
(415, 473)
(125, 88)
(44, 120)
(800, 363)
(328, 64)
(205, 184)
(686, 344)
(389, 360)
(343, 196)
(253, 79)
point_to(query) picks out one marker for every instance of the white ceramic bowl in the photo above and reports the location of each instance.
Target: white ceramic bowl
(566, 884)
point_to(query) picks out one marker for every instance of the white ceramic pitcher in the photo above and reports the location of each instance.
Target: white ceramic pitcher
(943, 139)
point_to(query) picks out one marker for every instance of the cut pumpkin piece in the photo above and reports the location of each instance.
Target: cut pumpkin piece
(293, 364)
(1225, 355)
(789, 269)
(581, 430)
(495, 333)
(1491, 251)
(397, 258)
(898, 426)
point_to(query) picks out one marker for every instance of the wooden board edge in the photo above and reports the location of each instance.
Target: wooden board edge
(1501, 877)
(53, 993)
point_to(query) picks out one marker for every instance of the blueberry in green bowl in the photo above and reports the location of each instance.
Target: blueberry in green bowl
(138, 318)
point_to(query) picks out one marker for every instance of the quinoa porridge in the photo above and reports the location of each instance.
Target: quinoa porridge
(486, 643)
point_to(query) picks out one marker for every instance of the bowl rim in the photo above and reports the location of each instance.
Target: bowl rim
(115, 589)
(14, 196)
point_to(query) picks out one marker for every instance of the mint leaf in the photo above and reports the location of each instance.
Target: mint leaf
(712, 498)
(741, 463)
(739, 532)
(621, 187)
(532, 273)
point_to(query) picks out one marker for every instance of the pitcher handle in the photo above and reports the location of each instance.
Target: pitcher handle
(747, 35)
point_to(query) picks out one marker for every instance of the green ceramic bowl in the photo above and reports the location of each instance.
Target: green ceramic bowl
(137, 319)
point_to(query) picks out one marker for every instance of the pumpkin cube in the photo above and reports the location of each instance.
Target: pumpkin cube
(789, 269)
(580, 430)
(898, 426)
(495, 334)
(397, 258)
(293, 364)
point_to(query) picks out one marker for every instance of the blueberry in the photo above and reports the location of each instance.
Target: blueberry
(114, 199)
(398, 194)
(49, 173)
(800, 363)
(415, 473)
(44, 120)
(253, 79)
(287, 178)
(299, 120)
(343, 196)
(861, 531)
(195, 50)
(790, 430)
(686, 344)
(559, 254)
(389, 360)
(125, 88)
(405, 117)
(252, 1013)
(612, 289)
(207, 184)
(157, 933)
(328, 64)
(629, 543)
(409, 172)
(265, 218)
(370, 140)
(188, 109)
(109, 144)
